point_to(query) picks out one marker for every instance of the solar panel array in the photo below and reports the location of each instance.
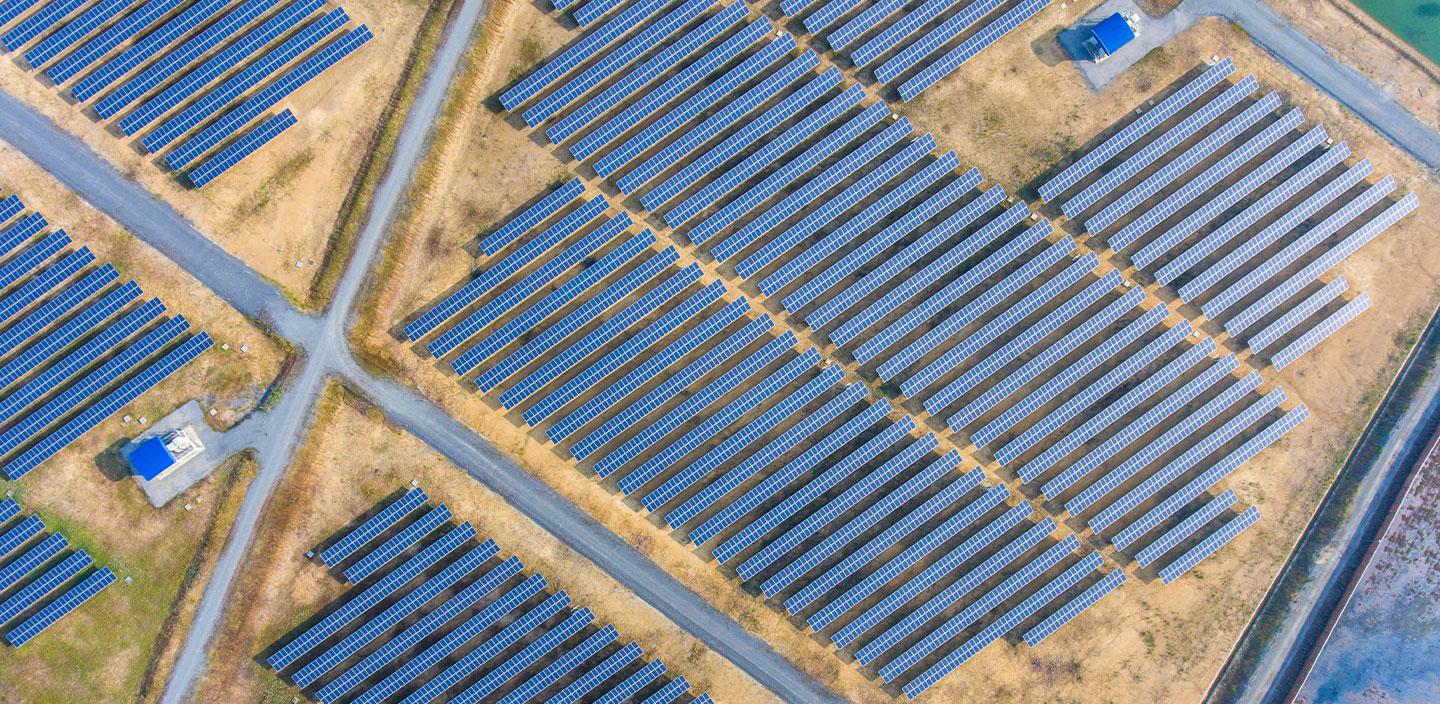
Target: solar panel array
(40, 577)
(172, 91)
(79, 343)
(452, 598)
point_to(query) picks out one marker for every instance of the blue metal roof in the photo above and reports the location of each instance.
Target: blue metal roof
(151, 458)
(1112, 33)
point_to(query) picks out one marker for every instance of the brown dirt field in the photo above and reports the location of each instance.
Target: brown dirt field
(279, 206)
(1155, 643)
(353, 460)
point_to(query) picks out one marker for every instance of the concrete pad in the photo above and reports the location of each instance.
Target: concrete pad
(1152, 33)
(172, 483)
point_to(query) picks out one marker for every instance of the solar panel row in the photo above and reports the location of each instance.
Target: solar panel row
(579, 52)
(1301, 312)
(928, 43)
(1074, 608)
(236, 151)
(1326, 328)
(145, 49)
(114, 36)
(1209, 545)
(967, 49)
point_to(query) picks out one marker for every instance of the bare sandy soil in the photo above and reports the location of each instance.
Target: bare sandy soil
(352, 461)
(278, 207)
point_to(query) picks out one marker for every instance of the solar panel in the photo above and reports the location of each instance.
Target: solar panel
(118, 33)
(21, 231)
(64, 604)
(868, 184)
(672, 385)
(597, 674)
(927, 43)
(397, 544)
(532, 216)
(216, 66)
(607, 66)
(1209, 545)
(170, 64)
(1213, 207)
(1202, 483)
(53, 309)
(148, 46)
(725, 383)
(898, 261)
(31, 560)
(1097, 390)
(856, 27)
(737, 441)
(895, 530)
(1301, 312)
(268, 96)
(769, 152)
(637, 79)
(1011, 619)
(936, 302)
(381, 657)
(721, 120)
(1132, 132)
(853, 496)
(722, 418)
(1326, 328)
(398, 611)
(1117, 409)
(8, 510)
(21, 532)
(1252, 214)
(10, 9)
(947, 261)
(1185, 528)
(803, 196)
(517, 663)
(1074, 607)
(1021, 344)
(562, 666)
(588, 46)
(1154, 150)
(37, 287)
(970, 615)
(236, 152)
(1302, 278)
(789, 473)
(632, 684)
(10, 206)
(1186, 461)
(812, 490)
(791, 438)
(369, 597)
(630, 350)
(32, 257)
(949, 596)
(913, 553)
(1188, 425)
(1217, 172)
(967, 49)
(532, 316)
(75, 328)
(31, 593)
(73, 31)
(1181, 164)
(831, 510)
(38, 23)
(467, 665)
(560, 361)
(590, 11)
(669, 693)
(1142, 425)
(373, 527)
(509, 297)
(1012, 316)
(894, 232)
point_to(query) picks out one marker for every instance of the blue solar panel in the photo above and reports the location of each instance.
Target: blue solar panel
(216, 66)
(64, 604)
(761, 492)
(562, 666)
(967, 49)
(630, 350)
(534, 215)
(21, 533)
(150, 45)
(832, 509)
(221, 129)
(507, 298)
(579, 52)
(609, 65)
(801, 197)
(1011, 619)
(75, 328)
(527, 656)
(1213, 207)
(73, 31)
(55, 308)
(20, 232)
(1132, 132)
(31, 560)
(38, 23)
(856, 27)
(632, 684)
(10, 9)
(683, 80)
(701, 101)
(369, 597)
(30, 595)
(590, 11)
(791, 438)
(1298, 314)
(669, 693)
(670, 387)
(1326, 328)
(1071, 609)
(32, 257)
(927, 43)
(597, 674)
(118, 33)
(693, 404)
(8, 510)
(373, 527)
(812, 490)
(236, 151)
(737, 441)
(1185, 528)
(33, 290)
(398, 543)
(916, 551)
(895, 530)
(11, 206)
(414, 634)
(1209, 545)
(936, 302)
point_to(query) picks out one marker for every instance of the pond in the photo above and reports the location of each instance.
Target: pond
(1415, 21)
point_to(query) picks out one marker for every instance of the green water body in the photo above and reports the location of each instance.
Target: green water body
(1415, 21)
